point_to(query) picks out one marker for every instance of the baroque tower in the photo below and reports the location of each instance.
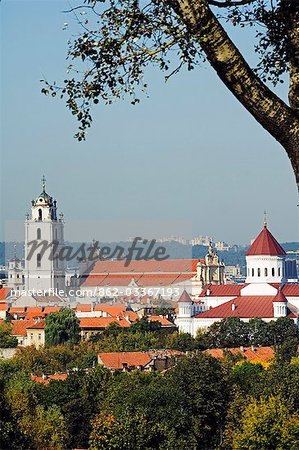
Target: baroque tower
(44, 239)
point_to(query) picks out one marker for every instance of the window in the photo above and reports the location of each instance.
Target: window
(40, 214)
(38, 260)
(258, 272)
(39, 336)
(279, 271)
(266, 272)
(252, 272)
(18, 276)
(273, 272)
(248, 272)
(38, 233)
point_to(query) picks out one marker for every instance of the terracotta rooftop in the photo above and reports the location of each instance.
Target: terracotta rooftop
(222, 290)
(145, 273)
(19, 327)
(117, 360)
(4, 291)
(249, 353)
(185, 297)
(265, 244)
(101, 322)
(280, 297)
(163, 321)
(244, 307)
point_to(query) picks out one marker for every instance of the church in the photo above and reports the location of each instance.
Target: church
(44, 229)
(270, 291)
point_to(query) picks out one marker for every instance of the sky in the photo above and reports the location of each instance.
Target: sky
(187, 161)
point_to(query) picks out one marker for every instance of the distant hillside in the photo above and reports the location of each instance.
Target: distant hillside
(175, 250)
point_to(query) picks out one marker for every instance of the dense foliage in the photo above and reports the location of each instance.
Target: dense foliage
(201, 403)
(62, 326)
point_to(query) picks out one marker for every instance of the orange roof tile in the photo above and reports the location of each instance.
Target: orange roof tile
(39, 325)
(222, 290)
(116, 273)
(101, 322)
(83, 307)
(250, 354)
(4, 306)
(244, 307)
(4, 291)
(117, 360)
(163, 321)
(19, 327)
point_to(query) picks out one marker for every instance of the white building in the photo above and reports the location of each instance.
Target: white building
(267, 292)
(44, 239)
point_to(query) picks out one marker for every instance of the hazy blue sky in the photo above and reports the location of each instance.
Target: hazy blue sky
(188, 154)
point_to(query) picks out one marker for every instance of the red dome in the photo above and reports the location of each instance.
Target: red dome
(265, 244)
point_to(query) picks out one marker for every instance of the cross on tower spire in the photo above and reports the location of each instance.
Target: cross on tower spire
(44, 183)
(265, 219)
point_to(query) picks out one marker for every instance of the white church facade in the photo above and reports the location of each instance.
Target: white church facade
(270, 291)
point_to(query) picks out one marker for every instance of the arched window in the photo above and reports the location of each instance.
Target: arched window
(252, 272)
(279, 271)
(40, 214)
(38, 260)
(258, 272)
(266, 272)
(38, 233)
(273, 272)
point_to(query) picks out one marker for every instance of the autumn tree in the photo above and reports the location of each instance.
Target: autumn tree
(6, 339)
(267, 423)
(120, 39)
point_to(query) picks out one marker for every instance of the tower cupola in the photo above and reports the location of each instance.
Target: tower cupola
(265, 259)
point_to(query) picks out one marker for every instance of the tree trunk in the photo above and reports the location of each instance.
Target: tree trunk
(266, 107)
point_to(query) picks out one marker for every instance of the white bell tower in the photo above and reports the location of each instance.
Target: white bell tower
(44, 270)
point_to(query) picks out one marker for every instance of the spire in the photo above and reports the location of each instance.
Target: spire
(265, 219)
(44, 184)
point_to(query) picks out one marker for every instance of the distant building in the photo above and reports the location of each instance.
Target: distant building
(267, 292)
(167, 279)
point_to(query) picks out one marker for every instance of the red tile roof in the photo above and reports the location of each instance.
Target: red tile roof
(19, 327)
(83, 307)
(39, 325)
(115, 273)
(50, 309)
(280, 297)
(4, 306)
(257, 353)
(101, 322)
(185, 297)
(117, 360)
(47, 378)
(265, 244)
(244, 307)
(163, 321)
(291, 290)
(4, 291)
(222, 290)
(112, 310)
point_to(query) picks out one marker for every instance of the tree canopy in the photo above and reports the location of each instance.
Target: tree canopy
(62, 326)
(120, 39)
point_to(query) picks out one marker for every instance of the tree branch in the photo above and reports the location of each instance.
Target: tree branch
(265, 106)
(228, 3)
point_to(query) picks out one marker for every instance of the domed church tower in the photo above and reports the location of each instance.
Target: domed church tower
(43, 241)
(265, 259)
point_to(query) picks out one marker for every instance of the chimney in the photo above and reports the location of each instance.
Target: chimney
(208, 292)
(233, 306)
(242, 349)
(253, 348)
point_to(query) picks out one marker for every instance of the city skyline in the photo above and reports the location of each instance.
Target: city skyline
(175, 158)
